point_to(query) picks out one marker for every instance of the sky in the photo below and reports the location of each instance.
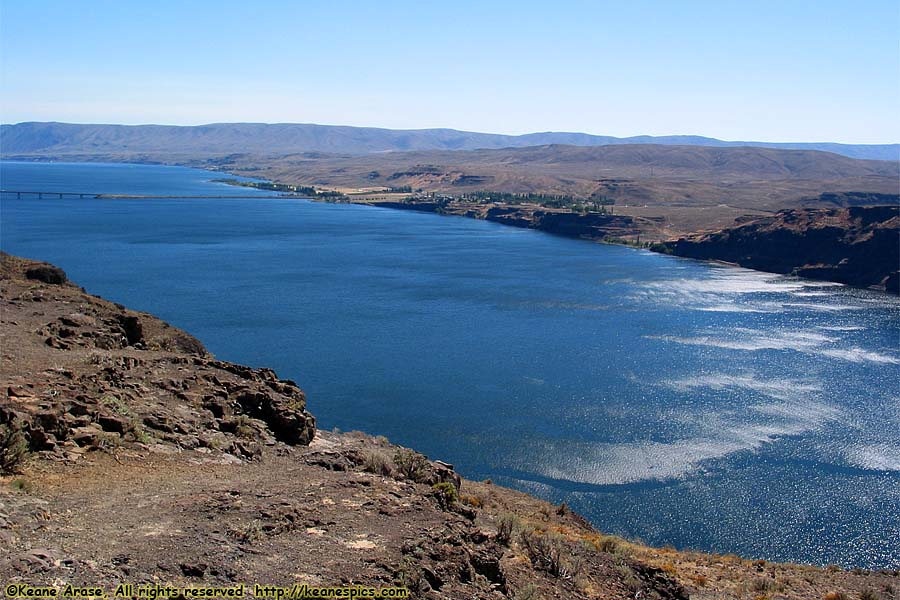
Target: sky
(786, 70)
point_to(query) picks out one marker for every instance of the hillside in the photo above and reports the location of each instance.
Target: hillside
(680, 188)
(154, 463)
(591, 164)
(285, 138)
(691, 188)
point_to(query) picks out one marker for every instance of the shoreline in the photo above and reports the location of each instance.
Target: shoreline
(594, 227)
(599, 227)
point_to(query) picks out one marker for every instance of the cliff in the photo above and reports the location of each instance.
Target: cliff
(152, 463)
(590, 226)
(858, 246)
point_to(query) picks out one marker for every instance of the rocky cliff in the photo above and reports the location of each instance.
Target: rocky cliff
(858, 246)
(120, 376)
(591, 226)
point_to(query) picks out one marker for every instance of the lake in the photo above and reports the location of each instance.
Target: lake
(665, 399)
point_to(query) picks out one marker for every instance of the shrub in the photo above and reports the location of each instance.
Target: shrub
(410, 464)
(471, 500)
(116, 404)
(21, 485)
(629, 578)
(506, 525)
(249, 533)
(13, 448)
(140, 434)
(546, 552)
(411, 577)
(107, 441)
(46, 273)
(446, 494)
(868, 594)
(243, 427)
(835, 596)
(377, 462)
(529, 592)
(603, 543)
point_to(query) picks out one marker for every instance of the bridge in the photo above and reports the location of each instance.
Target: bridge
(61, 195)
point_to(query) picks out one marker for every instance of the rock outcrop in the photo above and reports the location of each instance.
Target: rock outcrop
(591, 226)
(109, 376)
(858, 246)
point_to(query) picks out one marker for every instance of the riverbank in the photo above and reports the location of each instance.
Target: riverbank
(150, 461)
(856, 246)
(599, 225)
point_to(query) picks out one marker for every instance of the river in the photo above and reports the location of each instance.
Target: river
(674, 401)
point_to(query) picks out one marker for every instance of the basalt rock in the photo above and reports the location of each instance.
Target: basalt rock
(125, 377)
(593, 226)
(858, 246)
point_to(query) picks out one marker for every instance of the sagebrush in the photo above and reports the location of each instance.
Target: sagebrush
(13, 448)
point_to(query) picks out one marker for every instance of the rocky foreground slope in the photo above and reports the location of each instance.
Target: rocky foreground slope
(149, 461)
(858, 246)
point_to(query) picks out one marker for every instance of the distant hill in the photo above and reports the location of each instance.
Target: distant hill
(285, 138)
(690, 187)
(685, 181)
(637, 173)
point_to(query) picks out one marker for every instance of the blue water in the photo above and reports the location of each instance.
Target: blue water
(674, 401)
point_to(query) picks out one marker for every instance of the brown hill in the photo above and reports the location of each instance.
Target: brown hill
(691, 187)
(285, 138)
(635, 176)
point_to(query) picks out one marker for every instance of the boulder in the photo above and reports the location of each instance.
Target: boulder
(89, 435)
(114, 423)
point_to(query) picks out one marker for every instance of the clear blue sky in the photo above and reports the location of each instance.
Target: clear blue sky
(787, 70)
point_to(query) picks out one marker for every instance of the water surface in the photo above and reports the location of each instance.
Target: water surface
(675, 401)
